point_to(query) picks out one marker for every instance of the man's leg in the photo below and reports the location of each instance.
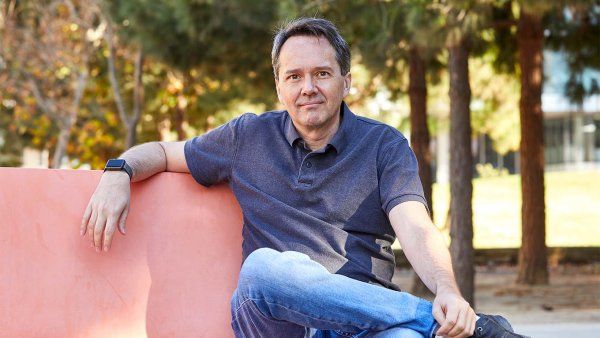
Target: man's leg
(289, 291)
(395, 332)
(249, 321)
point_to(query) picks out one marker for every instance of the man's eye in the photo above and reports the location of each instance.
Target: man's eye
(323, 74)
(293, 77)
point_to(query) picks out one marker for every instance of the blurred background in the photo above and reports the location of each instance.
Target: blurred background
(499, 98)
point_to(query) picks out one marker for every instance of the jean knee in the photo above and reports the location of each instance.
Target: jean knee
(261, 256)
(258, 262)
(269, 268)
(257, 268)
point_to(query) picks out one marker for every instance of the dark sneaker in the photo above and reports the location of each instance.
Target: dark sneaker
(491, 326)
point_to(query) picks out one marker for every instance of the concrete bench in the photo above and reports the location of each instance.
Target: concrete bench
(171, 276)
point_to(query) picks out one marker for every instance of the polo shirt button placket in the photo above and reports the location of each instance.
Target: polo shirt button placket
(306, 172)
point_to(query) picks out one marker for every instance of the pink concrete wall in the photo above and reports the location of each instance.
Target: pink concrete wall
(171, 276)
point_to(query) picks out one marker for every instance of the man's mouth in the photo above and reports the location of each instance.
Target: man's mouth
(310, 104)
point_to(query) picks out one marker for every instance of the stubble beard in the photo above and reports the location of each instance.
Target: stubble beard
(318, 119)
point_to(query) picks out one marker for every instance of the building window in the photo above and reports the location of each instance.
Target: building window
(553, 140)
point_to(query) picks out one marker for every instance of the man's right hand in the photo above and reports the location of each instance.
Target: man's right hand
(107, 208)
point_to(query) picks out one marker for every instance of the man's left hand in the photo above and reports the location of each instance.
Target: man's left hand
(454, 314)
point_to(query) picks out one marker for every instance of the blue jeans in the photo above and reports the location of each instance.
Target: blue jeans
(286, 294)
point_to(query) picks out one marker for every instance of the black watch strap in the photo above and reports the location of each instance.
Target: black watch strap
(118, 164)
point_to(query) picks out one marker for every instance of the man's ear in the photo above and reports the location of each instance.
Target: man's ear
(347, 83)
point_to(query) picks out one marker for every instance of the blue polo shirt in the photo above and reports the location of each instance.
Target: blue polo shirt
(331, 204)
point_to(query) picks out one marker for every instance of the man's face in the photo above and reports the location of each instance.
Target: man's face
(309, 83)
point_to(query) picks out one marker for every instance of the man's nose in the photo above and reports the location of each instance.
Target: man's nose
(308, 86)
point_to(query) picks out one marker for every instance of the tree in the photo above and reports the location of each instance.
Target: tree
(130, 121)
(533, 261)
(463, 20)
(216, 50)
(421, 21)
(11, 142)
(461, 167)
(419, 134)
(571, 27)
(526, 48)
(49, 51)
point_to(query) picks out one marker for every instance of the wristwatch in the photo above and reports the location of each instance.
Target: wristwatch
(117, 164)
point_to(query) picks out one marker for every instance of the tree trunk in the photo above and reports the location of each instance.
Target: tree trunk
(66, 123)
(533, 262)
(131, 136)
(138, 100)
(183, 99)
(129, 121)
(419, 137)
(61, 146)
(178, 120)
(461, 169)
(419, 131)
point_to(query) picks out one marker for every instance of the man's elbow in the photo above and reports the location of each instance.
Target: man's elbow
(174, 155)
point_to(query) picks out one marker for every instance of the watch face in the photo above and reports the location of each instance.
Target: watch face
(115, 164)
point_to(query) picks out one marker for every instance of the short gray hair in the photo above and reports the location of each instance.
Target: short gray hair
(312, 27)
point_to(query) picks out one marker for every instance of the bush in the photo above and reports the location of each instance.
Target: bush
(487, 170)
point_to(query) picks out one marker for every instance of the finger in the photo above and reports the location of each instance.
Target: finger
(98, 230)
(449, 322)
(123, 219)
(473, 323)
(468, 322)
(461, 323)
(111, 224)
(91, 225)
(438, 314)
(85, 219)
(469, 318)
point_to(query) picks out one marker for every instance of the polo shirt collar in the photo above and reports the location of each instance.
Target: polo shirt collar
(291, 134)
(339, 140)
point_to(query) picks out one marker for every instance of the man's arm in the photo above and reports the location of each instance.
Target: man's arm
(154, 157)
(109, 205)
(426, 250)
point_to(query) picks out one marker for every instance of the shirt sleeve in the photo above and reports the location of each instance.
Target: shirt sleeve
(210, 157)
(399, 176)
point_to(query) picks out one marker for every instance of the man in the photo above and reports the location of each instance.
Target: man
(323, 192)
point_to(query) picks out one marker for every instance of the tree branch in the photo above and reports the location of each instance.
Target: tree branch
(138, 89)
(47, 107)
(112, 73)
(79, 90)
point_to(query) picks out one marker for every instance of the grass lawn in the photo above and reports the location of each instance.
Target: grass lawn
(572, 209)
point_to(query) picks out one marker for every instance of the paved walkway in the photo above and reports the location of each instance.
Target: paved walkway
(560, 330)
(567, 308)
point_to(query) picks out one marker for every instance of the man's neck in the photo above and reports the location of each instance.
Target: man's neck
(317, 138)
